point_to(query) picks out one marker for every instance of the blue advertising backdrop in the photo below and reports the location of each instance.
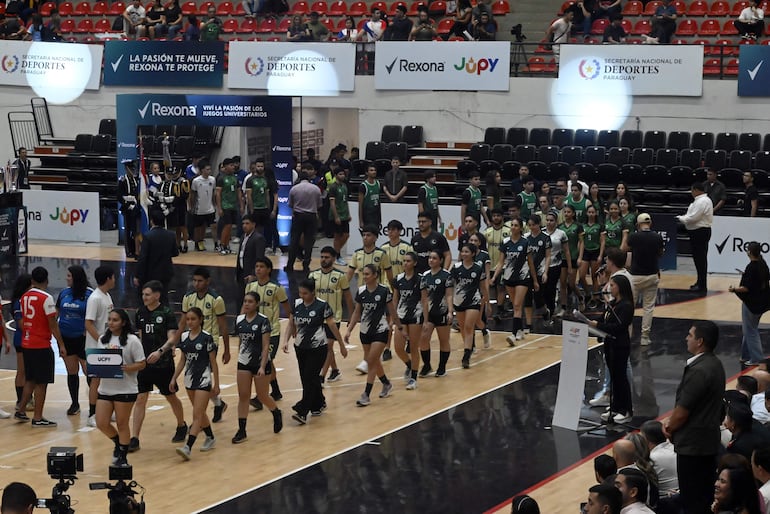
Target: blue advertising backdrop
(212, 110)
(164, 63)
(754, 70)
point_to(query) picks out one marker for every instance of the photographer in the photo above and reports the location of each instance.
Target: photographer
(484, 28)
(18, 498)
(423, 29)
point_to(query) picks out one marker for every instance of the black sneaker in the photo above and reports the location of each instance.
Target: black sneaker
(277, 421)
(218, 411)
(440, 373)
(133, 445)
(466, 363)
(276, 395)
(20, 416)
(74, 409)
(254, 402)
(425, 371)
(386, 355)
(300, 418)
(239, 437)
(121, 461)
(180, 434)
(43, 423)
(334, 375)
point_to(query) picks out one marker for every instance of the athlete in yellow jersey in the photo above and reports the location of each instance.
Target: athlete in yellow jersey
(214, 322)
(396, 248)
(271, 297)
(370, 254)
(331, 285)
(495, 236)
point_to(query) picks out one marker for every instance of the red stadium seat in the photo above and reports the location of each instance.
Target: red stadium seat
(437, 8)
(445, 26)
(329, 24)
(299, 7)
(85, 26)
(320, 7)
(732, 67)
(650, 8)
(358, 9)
(681, 7)
(189, 8)
(712, 67)
(536, 65)
(46, 8)
(709, 28)
(67, 26)
(598, 26)
(382, 6)
(248, 26)
(687, 28)
(544, 48)
(698, 8)
(230, 25)
(633, 8)
(501, 7)
(392, 9)
(225, 8)
(626, 26)
(456, 38)
(239, 10)
(118, 7)
(566, 5)
(274, 39)
(338, 8)
(738, 7)
(102, 25)
(641, 27)
(729, 28)
(82, 9)
(284, 26)
(340, 25)
(65, 8)
(719, 8)
(100, 8)
(266, 26)
(204, 8)
(413, 9)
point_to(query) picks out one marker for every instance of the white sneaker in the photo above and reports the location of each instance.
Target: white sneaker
(526, 331)
(91, 421)
(606, 416)
(277, 252)
(4, 414)
(623, 417)
(487, 341)
(340, 262)
(208, 444)
(235, 239)
(268, 251)
(601, 401)
(511, 340)
(185, 452)
(364, 400)
(645, 341)
(411, 385)
(363, 368)
(558, 312)
(519, 335)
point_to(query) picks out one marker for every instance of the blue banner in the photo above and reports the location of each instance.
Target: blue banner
(164, 63)
(754, 71)
(219, 111)
(104, 362)
(665, 225)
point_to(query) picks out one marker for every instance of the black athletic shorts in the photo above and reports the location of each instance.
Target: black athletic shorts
(438, 320)
(476, 307)
(590, 255)
(207, 388)
(203, 220)
(342, 228)
(176, 218)
(411, 321)
(527, 282)
(75, 346)
(379, 337)
(157, 376)
(329, 334)
(253, 368)
(122, 398)
(262, 217)
(565, 262)
(275, 342)
(38, 365)
(229, 217)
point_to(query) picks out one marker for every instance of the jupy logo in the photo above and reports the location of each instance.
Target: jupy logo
(69, 217)
(476, 67)
(254, 67)
(589, 69)
(10, 63)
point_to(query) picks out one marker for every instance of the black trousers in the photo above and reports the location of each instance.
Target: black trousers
(756, 29)
(131, 220)
(699, 242)
(697, 474)
(617, 362)
(310, 362)
(303, 224)
(548, 290)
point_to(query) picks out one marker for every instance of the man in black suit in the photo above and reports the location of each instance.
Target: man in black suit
(252, 247)
(694, 425)
(158, 247)
(22, 166)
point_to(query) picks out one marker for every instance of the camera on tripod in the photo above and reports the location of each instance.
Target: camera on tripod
(516, 32)
(63, 463)
(122, 494)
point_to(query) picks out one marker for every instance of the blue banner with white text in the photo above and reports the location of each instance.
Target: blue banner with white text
(754, 71)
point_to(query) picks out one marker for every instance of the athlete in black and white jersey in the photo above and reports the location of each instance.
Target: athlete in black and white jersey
(482, 259)
(254, 363)
(559, 254)
(428, 240)
(408, 300)
(515, 264)
(437, 288)
(201, 378)
(540, 249)
(374, 303)
(307, 320)
(470, 295)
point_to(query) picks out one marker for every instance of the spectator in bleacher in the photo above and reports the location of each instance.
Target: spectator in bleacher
(462, 19)
(662, 456)
(193, 31)
(400, 27)
(155, 20)
(604, 499)
(252, 7)
(615, 34)
(133, 19)
(350, 32)
(174, 20)
(581, 19)
(760, 465)
(524, 504)
(603, 9)
(735, 490)
(482, 6)
(633, 486)
(715, 190)
(517, 184)
(423, 29)
(604, 466)
(296, 30)
(395, 181)
(211, 28)
(22, 166)
(372, 31)
(12, 27)
(559, 31)
(750, 201)
(663, 23)
(312, 160)
(54, 27)
(484, 28)
(315, 30)
(37, 29)
(751, 21)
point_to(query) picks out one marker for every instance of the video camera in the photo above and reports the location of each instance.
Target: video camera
(516, 32)
(63, 463)
(122, 494)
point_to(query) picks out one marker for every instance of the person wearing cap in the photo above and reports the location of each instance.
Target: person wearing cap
(646, 247)
(315, 30)
(697, 221)
(399, 27)
(128, 198)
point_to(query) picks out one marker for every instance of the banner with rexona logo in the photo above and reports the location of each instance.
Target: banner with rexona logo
(164, 63)
(433, 65)
(62, 215)
(292, 69)
(754, 70)
(654, 70)
(59, 72)
(217, 111)
(729, 237)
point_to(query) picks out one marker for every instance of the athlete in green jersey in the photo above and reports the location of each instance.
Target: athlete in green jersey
(369, 211)
(471, 202)
(427, 199)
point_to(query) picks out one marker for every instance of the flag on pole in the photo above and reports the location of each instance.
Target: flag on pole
(144, 201)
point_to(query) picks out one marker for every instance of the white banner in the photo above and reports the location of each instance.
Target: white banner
(57, 71)
(657, 70)
(729, 237)
(572, 375)
(292, 69)
(62, 215)
(407, 215)
(444, 66)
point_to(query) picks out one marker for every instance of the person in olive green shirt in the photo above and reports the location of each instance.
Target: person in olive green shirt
(339, 212)
(227, 197)
(369, 209)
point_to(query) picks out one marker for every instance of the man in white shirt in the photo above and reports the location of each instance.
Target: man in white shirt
(751, 22)
(372, 31)
(698, 220)
(633, 487)
(560, 30)
(202, 205)
(662, 456)
(133, 19)
(760, 464)
(98, 309)
(574, 178)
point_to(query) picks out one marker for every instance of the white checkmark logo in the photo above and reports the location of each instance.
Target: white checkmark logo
(753, 73)
(143, 110)
(117, 63)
